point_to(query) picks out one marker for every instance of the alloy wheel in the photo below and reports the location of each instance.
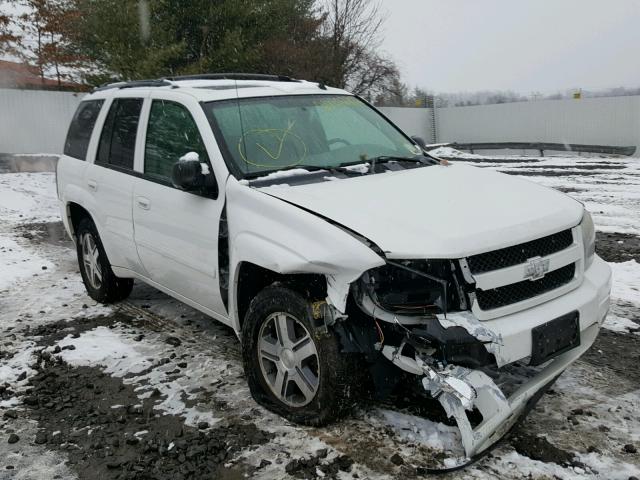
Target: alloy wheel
(288, 359)
(90, 259)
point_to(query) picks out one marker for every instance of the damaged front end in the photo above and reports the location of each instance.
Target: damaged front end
(420, 311)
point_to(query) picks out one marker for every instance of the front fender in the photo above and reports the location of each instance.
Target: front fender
(286, 239)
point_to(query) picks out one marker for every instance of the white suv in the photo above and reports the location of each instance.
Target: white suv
(342, 254)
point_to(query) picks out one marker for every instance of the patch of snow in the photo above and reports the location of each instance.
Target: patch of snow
(411, 428)
(620, 324)
(450, 152)
(611, 467)
(626, 281)
(10, 369)
(16, 263)
(359, 168)
(32, 461)
(103, 346)
(10, 403)
(28, 197)
(189, 157)
(119, 355)
(294, 172)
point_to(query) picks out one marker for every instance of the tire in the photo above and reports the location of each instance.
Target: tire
(332, 395)
(101, 283)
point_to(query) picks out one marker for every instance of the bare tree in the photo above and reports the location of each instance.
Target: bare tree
(8, 38)
(46, 27)
(351, 32)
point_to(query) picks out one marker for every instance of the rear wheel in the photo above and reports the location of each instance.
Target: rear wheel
(293, 369)
(101, 283)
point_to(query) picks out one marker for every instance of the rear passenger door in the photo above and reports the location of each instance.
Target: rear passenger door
(176, 232)
(111, 179)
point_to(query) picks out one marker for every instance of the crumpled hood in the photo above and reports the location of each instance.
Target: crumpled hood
(439, 211)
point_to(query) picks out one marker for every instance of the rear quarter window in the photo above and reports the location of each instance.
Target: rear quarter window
(81, 127)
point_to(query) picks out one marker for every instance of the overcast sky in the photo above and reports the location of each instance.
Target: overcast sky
(520, 45)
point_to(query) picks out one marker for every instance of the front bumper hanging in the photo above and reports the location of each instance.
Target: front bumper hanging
(460, 389)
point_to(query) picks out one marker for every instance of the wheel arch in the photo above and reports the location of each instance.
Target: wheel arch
(252, 278)
(75, 213)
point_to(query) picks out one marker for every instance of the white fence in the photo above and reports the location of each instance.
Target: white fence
(414, 121)
(34, 121)
(594, 121)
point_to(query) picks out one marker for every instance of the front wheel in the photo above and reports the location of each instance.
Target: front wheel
(101, 283)
(292, 369)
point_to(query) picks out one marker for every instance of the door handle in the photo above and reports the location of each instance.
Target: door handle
(144, 203)
(93, 185)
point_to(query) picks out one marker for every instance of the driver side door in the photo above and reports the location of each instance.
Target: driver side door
(176, 232)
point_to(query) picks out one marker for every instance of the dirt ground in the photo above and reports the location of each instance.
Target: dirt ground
(151, 389)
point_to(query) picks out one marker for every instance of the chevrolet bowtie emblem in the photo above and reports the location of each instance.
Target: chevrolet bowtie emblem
(536, 268)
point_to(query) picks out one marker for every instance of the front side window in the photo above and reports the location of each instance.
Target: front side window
(81, 128)
(273, 133)
(118, 140)
(172, 133)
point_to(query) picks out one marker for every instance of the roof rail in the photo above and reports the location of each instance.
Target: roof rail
(234, 76)
(168, 81)
(161, 82)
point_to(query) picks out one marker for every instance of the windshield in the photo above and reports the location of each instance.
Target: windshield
(267, 134)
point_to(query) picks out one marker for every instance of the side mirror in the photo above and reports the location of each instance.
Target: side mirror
(192, 176)
(420, 141)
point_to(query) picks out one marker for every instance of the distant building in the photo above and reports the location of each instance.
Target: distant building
(22, 75)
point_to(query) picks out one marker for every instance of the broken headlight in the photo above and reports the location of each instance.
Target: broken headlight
(588, 239)
(414, 287)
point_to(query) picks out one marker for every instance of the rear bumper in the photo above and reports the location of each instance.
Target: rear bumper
(509, 338)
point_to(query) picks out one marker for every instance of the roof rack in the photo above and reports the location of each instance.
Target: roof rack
(135, 83)
(168, 81)
(235, 76)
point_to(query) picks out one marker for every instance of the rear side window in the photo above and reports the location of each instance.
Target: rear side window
(172, 132)
(118, 140)
(81, 128)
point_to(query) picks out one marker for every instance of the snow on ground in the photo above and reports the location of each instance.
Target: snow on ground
(620, 324)
(121, 356)
(213, 376)
(17, 263)
(626, 282)
(449, 152)
(28, 197)
(102, 346)
(414, 429)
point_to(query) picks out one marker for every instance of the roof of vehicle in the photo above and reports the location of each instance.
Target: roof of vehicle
(211, 87)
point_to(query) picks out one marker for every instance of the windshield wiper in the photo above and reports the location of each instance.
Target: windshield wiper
(386, 158)
(382, 159)
(343, 167)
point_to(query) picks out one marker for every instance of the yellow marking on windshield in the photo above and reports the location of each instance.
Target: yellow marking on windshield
(282, 135)
(280, 145)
